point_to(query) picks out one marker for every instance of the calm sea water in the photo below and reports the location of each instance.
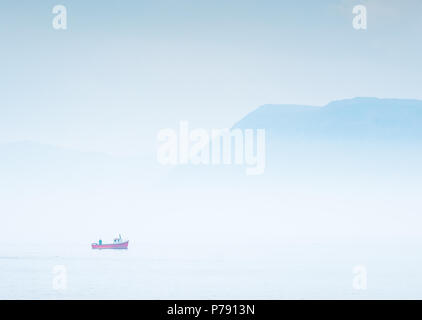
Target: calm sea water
(147, 271)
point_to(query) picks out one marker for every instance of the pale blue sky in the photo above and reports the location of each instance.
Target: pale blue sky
(125, 69)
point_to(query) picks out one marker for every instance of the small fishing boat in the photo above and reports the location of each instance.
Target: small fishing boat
(118, 243)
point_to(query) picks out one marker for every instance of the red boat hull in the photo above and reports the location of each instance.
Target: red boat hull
(123, 245)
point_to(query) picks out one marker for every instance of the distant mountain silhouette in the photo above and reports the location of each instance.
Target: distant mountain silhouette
(353, 119)
(361, 135)
(354, 136)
